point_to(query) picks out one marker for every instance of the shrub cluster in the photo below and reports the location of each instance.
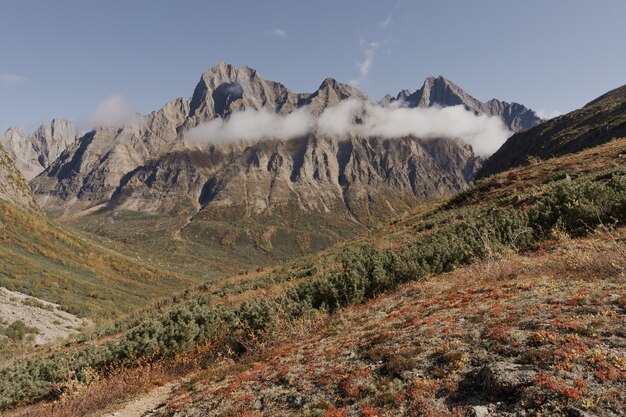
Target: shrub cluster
(580, 205)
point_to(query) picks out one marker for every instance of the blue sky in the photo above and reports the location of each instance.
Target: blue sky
(62, 58)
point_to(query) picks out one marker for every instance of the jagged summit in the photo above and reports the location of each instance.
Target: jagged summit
(143, 169)
(34, 152)
(440, 91)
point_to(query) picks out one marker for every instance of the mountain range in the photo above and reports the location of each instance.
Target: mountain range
(274, 195)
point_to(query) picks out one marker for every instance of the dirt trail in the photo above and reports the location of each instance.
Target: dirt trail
(145, 403)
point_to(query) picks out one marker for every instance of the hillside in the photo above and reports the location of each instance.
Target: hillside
(13, 186)
(437, 312)
(85, 275)
(597, 122)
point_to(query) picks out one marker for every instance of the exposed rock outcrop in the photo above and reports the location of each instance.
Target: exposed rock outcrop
(439, 91)
(34, 152)
(150, 167)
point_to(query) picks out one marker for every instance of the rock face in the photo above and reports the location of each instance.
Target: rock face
(89, 171)
(13, 186)
(439, 91)
(33, 153)
(597, 122)
(320, 174)
(147, 167)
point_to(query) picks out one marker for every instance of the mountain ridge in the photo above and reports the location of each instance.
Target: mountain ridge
(34, 152)
(599, 121)
(439, 91)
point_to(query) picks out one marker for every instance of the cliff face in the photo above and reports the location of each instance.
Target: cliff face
(137, 167)
(309, 174)
(33, 153)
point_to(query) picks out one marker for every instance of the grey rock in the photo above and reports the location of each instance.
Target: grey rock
(502, 379)
(572, 411)
(33, 153)
(478, 411)
(147, 167)
(439, 91)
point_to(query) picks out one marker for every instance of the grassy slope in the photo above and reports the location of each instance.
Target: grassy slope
(554, 317)
(555, 273)
(42, 258)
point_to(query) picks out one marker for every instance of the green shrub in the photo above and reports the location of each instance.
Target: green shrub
(18, 331)
(580, 205)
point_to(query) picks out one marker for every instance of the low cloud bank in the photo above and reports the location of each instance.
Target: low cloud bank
(356, 118)
(252, 125)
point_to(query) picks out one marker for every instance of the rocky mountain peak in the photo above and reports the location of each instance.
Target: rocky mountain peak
(34, 152)
(226, 88)
(14, 131)
(440, 91)
(329, 93)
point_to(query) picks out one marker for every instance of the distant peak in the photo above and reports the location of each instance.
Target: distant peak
(223, 65)
(439, 80)
(14, 129)
(222, 69)
(329, 83)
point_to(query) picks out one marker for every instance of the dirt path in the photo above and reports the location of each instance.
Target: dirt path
(147, 402)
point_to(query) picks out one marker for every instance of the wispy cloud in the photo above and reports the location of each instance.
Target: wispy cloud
(365, 65)
(12, 79)
(278, 33)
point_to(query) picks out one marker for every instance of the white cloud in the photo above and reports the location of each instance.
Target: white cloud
(113, 111)
(485, 133)
(253, 125)
(12, 79)
(365, 65)
(278, 33)
(548, 114)
(363, 119)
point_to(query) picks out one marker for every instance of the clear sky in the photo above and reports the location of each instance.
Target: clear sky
(61, 58)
